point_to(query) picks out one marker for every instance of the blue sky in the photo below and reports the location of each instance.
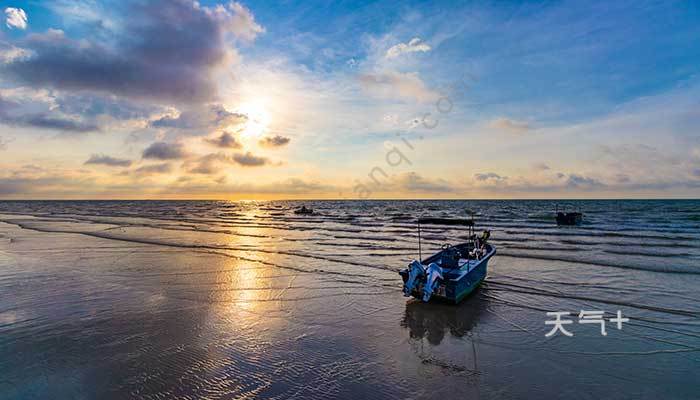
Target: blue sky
(280, 99)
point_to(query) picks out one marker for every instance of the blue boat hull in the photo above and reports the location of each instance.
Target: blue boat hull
(458, 283)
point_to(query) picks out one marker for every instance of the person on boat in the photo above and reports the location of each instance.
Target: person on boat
(476, 252)
(485, 237)
(480, 244)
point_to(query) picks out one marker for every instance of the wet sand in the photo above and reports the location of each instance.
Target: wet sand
(128, 311)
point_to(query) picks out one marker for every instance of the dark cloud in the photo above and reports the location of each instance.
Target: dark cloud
(14, 186)
(6, 105)
(96, 105)
(249, 160)
(154, 169)
(212, 163)
(101, 159)
(209, 164)
(541, 166)
(167, 50)
(580, 181)
(225, 140)
(274, 141)
(46, 121)
(26, 184)
(165, 151)
(13, 112)
(210, 116)
(622, 178)
(489, 176)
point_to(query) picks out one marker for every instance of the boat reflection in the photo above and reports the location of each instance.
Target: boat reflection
(433, 320)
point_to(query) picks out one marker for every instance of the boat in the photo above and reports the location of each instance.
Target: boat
(452, 273)
(304, 211)
(572, 218)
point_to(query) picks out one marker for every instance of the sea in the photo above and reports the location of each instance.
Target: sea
(248, 300)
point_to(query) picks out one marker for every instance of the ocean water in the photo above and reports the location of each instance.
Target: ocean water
(214, 299)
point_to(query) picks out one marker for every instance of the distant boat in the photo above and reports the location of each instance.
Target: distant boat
(572, 218)
(452, 273)
(303, 211)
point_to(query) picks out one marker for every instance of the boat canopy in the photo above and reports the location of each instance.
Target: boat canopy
(446, 221)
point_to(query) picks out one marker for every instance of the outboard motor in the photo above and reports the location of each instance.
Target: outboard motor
(433, 272)
(415, 272)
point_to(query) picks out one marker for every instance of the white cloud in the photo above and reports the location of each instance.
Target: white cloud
(16, 18)
(237, 20)
(510, 125)
(394, 85)
(10, 53)
(413, 46)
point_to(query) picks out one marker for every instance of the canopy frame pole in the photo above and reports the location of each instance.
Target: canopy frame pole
(420, 253)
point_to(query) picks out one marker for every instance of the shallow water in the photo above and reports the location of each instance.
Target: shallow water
(206, 299)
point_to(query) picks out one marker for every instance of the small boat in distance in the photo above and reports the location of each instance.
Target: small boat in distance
(452, 273)
(304, 211)
(572, 218)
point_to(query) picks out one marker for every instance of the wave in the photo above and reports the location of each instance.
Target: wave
(102, 235)
(647, 253)
(542, 292)
(602, 263)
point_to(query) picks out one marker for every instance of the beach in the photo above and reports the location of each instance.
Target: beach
(216, 299)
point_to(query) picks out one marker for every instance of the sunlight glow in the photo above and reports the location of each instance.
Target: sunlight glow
(259, 117)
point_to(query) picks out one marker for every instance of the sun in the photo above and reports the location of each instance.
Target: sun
(259, 118)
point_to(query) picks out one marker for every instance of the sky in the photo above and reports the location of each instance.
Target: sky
(349, 99)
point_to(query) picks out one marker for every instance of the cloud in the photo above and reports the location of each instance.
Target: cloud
(580, 181)
(169, 50)
(274, 141)
(46, 121)
(25, 107)
(240, 20)
(11, 186)
(397, 85)
(32, 180)
(165, 151)
(101, 159)
(154, 169)
(412, 182)
(16, 18)
(209, 116)
(92, 105)
(510, 125)
(225, 140)
(489, 176)
(540, 166)
(289, 186)
(4, 142)
(10, 53)
(249, 160)
(209, 164)
(622, 178)
(413, 46)
(212, 163)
